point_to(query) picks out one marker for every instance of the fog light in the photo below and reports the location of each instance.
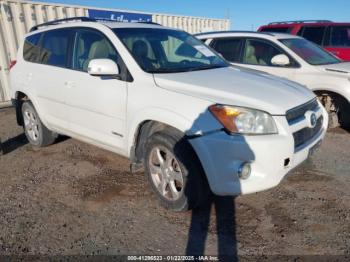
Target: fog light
(244, 171)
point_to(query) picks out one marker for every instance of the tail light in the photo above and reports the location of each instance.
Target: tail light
(12, 64)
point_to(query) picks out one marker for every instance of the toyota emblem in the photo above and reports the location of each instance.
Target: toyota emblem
(313, 120)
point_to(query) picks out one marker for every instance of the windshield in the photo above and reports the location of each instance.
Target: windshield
(310, 52)
(168, 51)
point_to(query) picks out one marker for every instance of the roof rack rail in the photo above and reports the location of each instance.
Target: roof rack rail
(151, 23)
(59, 21)
(300, 22)
(81, 19)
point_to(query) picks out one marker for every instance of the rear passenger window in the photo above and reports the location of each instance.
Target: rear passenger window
(340, 36)
(314, 34)
(31, 49)
(229, 48)
(54, 48)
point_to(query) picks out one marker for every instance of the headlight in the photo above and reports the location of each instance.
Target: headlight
(244, 120)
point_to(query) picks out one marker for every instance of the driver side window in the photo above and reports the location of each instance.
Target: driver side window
(91, 45)
(259, 52)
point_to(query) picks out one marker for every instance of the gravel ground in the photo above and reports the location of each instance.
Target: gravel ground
(76, 199)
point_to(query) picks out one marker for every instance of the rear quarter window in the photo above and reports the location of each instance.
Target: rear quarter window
(31, 49)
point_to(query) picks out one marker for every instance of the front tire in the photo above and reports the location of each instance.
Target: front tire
(175, 173)
(36, 132)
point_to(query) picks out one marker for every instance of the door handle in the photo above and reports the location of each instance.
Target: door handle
(29, 76)
(69, 84)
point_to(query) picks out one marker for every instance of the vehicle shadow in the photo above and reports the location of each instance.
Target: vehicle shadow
(61, 139)
(13, 144)
(217, 217)
(18, 141)
(224, 210)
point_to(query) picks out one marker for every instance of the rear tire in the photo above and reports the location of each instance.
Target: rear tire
(36, 132)
(174, 172)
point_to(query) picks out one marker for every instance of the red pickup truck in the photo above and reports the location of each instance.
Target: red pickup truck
(334, 37)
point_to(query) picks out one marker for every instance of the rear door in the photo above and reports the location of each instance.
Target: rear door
(48, 76)
(338, 41)
(97, 105)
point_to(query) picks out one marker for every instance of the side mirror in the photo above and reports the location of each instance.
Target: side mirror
(280, 60)
(103, 67)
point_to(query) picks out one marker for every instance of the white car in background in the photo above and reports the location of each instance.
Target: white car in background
(162, 98)
(294, 58)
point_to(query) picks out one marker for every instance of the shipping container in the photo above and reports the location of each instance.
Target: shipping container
(17, 17)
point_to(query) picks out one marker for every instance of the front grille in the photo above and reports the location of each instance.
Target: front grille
(306, 134)
(297, 113)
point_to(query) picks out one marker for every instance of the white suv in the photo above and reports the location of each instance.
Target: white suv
(165, 100)
(294, 58)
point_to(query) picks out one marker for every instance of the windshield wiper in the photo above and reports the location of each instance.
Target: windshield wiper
(181, 70)
(166, 70)
(328, 63)
(206, 67)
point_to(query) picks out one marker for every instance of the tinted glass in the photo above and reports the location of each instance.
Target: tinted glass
(54, 48)
(314, 34)
(310, 52)
(168, 51)
(229, 48)
(31, 49)
(276, 29)
(340, 36)
(91, 45)
(259, 53)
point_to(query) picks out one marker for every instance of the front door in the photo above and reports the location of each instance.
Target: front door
(97, 104)
(257, 54)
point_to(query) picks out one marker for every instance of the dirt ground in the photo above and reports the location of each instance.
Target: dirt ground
(76, 199)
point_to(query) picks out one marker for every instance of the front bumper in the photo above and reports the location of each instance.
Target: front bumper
(271, 157)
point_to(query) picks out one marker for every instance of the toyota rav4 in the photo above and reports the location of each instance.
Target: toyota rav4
(168, 102)
(294, 58)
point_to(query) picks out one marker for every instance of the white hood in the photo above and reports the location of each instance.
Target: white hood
(343, 68)
(232, 86)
